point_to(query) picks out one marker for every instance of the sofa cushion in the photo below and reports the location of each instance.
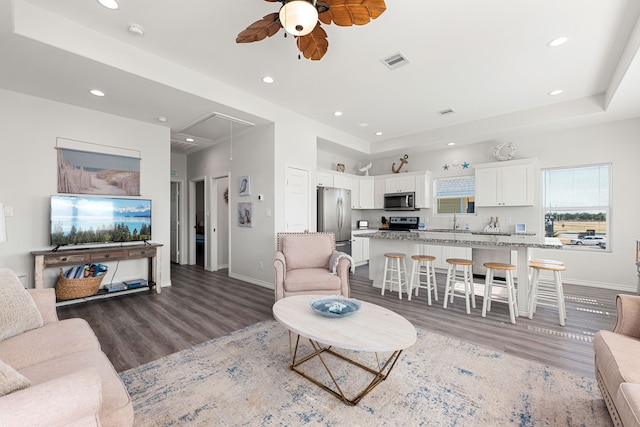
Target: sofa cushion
(116, 409)
(11, 380)
(628, 404)
(307, 250)
(19, 312)
(617, 358)
(312, 279)
(51, 341)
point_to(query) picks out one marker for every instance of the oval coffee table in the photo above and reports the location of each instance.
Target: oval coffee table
(371, 329)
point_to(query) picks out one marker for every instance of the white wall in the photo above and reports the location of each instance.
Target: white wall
(615, 143)
(223, 223)
(250, 249)
(28, 174)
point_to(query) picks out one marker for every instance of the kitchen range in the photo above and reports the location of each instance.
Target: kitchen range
(399, 223)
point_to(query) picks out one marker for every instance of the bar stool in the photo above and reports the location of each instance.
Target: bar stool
(509, 286)
(546, 283)
(400, 269)
(550, 296)
(425, 261)
(466, 278)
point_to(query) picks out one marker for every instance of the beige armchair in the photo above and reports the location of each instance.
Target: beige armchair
(304, 264)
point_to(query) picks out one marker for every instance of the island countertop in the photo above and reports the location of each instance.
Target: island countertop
(465, 238)
(415, 242)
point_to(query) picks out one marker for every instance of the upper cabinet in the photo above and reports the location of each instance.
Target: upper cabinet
(367, 192)
(379, 187)
(423, 189)
(418, 182)
(505, 184)
(400, 183)
(324, 179)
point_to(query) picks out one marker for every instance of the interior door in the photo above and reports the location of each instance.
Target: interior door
(297, 199)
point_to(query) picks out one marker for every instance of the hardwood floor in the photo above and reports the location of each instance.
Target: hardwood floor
(199, 306)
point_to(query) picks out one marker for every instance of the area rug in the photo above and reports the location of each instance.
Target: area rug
(243, 379)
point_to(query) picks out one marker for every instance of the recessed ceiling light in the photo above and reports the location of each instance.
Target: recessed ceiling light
(378, 133)
(267, 79)
(558, 41)
(556, 92)
(337, 113)
(109, 4)
(451, 143)
(96, 92)
(189, 139)
(363, 125)
(162, 119)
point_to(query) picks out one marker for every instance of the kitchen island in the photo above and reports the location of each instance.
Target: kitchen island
(419, 242)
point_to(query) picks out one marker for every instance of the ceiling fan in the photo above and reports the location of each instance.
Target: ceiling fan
(302, 19)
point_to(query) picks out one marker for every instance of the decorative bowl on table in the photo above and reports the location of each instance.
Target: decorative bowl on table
(335, 306)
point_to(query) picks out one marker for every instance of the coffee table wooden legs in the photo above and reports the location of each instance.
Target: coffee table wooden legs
(380, 374)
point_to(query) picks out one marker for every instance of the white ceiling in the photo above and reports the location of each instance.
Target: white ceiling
(487, 60)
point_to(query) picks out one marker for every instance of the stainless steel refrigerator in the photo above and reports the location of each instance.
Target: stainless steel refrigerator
(334, 215)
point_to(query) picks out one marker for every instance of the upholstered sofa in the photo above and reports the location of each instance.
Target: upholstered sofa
(617, 363)
(52, 372)
(308, 263)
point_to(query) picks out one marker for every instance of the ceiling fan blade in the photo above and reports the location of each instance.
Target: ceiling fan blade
(259, 30)
(345, 13)
(315, 44)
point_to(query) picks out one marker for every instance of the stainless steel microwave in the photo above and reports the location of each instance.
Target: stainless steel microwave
(400, 201)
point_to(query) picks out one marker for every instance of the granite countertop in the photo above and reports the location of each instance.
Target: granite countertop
(466, 238)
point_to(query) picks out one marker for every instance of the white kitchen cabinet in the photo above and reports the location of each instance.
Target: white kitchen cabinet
(424, 188)
(505, 185)
(418, 182)
(360, 250)
(340, 180)
(367, 192)
(324, 179)
(378, 192)
(400, 183)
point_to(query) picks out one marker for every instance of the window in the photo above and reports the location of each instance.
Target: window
(576, 203)
(455, 195)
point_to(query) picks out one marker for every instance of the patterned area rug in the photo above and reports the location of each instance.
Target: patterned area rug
(243, 379)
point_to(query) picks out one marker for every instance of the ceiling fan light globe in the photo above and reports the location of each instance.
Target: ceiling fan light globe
(298, 17)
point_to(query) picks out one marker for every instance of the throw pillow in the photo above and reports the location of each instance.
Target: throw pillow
(18, 312)
(11, 380)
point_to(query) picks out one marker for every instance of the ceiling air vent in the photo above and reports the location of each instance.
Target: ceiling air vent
(396, 60)
(446, 112)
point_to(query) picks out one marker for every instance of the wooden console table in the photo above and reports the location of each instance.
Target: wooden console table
(71, 257)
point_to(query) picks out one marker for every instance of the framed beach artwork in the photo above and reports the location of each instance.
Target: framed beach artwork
(86, 172)
(245, 214)
(244, 186)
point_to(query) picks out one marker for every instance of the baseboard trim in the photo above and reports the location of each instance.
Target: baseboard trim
(252, 280)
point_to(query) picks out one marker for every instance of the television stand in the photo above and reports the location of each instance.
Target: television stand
(70, 257)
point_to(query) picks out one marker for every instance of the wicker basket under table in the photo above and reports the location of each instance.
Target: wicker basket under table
(76, 288)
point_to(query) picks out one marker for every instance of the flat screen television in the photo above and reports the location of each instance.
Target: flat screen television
(80, 220)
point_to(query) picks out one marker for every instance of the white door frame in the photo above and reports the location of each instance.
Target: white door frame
(178, 212)
(213, 227)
